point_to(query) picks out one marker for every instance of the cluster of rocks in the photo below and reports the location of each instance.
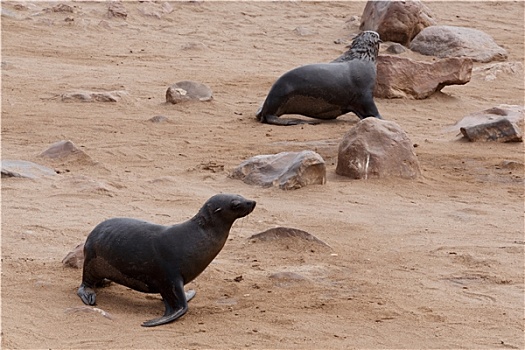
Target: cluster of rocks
(411, 25)
(374, 148)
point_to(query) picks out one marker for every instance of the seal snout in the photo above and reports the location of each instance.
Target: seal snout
(244, 207)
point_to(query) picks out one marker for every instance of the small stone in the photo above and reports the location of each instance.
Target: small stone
(159, 119)
(395, 49)
(188, 90)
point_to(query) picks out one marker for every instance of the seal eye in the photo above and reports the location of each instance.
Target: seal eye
(217, 210)
(236, 204)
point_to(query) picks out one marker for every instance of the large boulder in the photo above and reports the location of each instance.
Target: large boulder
(400, 77)
(286, 170)
(397, 21)
(449, 41)
(376, 148)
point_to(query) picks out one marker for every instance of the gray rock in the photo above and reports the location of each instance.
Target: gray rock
(449, 41)
(63, 149)
(397, 21)
(188, 90)
(24, 169)
(492, 71)
(279, 233)
(401, 77)
(376, 148)
(395, 49)
(159, 119)
(94, 96)
(286, 170)
(304, 31)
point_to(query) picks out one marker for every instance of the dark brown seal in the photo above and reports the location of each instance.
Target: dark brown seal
(152, 258)
(327, 90)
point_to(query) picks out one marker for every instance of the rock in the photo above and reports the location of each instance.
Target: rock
(397, 21)
(61, 8)
(63, 149)
(117, 9)
(395, 49)
(286, 170)
(159, 119)
(513, 113)
(449, 41)
(91, 96)
(510, 164)
(280, 233)
(24, 169)
(75, 258)
(88, 309)
(491, 71)
(376, 148)
(400, 77)
(501, 130)
(188, 90)
(304, 31)
(193, 45)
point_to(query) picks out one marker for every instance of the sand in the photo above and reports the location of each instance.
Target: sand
(435, 262)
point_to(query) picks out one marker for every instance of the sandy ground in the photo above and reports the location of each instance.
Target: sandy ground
(431, 263)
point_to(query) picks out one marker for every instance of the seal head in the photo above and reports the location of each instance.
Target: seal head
(327, 90)
(153, 258)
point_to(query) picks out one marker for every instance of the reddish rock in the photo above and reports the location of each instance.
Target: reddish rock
(376, 148)
(397, 21)
(286, 170)
(400, 77)
(117, 9)
(449, 41)
(75, 258)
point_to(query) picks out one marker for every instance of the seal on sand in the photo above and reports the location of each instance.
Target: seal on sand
(153, 258)
(327, 90)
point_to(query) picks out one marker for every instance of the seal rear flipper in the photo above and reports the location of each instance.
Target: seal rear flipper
(274, 120)
(87, 295)
(190, 294)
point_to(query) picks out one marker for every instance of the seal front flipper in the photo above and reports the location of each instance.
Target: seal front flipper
(176, 304)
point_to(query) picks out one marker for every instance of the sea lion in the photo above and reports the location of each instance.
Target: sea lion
(153, 258)
(327, 90)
